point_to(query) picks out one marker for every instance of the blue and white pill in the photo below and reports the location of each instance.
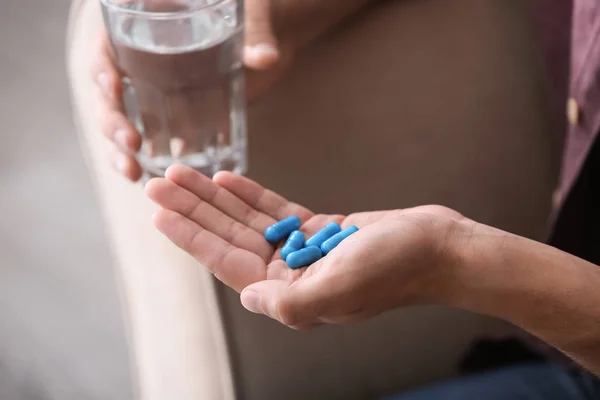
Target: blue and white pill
(294, 243)
(304, 257)
(335, 240)
(324, 234)
(282, 229)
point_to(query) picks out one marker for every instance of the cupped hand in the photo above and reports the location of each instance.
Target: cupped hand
(394, 259)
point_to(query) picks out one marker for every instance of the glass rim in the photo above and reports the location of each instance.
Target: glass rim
(160, 15)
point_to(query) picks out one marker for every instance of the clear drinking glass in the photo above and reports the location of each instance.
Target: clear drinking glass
(183, 82)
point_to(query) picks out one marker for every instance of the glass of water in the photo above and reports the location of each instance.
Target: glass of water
(183, 82)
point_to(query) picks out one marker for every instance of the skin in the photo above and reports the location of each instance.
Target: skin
(276, 31)
(426, 255)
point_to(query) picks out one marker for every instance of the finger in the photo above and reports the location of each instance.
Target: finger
(104, 72)
(259, 198)
(175, 198)
(235, 267)
(125, 164)
(263, 297)
(289, 303)
(305, 303)
(118, 129)
(260, 50)
(219, 197)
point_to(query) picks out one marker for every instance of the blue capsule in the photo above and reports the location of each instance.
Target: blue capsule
(294, 243)
(333, 241)
(324, 234)
(282, 229)
(304, 257)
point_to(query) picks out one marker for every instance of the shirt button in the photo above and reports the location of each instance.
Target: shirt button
(557, 196)
(573, 111)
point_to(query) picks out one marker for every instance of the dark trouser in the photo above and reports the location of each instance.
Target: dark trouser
(525, 382)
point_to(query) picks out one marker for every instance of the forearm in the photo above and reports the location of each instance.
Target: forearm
(547, 292)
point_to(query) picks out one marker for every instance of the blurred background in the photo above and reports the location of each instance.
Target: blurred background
(61, 332)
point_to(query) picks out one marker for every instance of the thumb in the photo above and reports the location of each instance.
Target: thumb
(293, 304)
(261, 50)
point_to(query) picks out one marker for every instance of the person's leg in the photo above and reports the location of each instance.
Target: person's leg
(173, 321)
(526, 382)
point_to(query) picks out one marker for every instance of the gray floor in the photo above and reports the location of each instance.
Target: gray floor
(61, 334)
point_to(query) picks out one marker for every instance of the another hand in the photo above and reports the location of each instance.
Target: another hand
(395, 259)
(275, 31)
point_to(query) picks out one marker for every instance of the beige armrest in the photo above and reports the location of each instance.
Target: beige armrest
(175, 330)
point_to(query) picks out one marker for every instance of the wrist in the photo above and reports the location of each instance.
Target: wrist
(470, 252)
(447, 255)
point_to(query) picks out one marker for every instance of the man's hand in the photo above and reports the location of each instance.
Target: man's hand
(424, 255)
(395, 258)
(275, 32)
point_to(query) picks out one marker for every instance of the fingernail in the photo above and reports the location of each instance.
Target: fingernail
(121, 139)
(120, 163)
(251, 301)
(104, 82)
(261, 51)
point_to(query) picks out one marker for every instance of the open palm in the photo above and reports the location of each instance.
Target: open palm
(221, 223)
